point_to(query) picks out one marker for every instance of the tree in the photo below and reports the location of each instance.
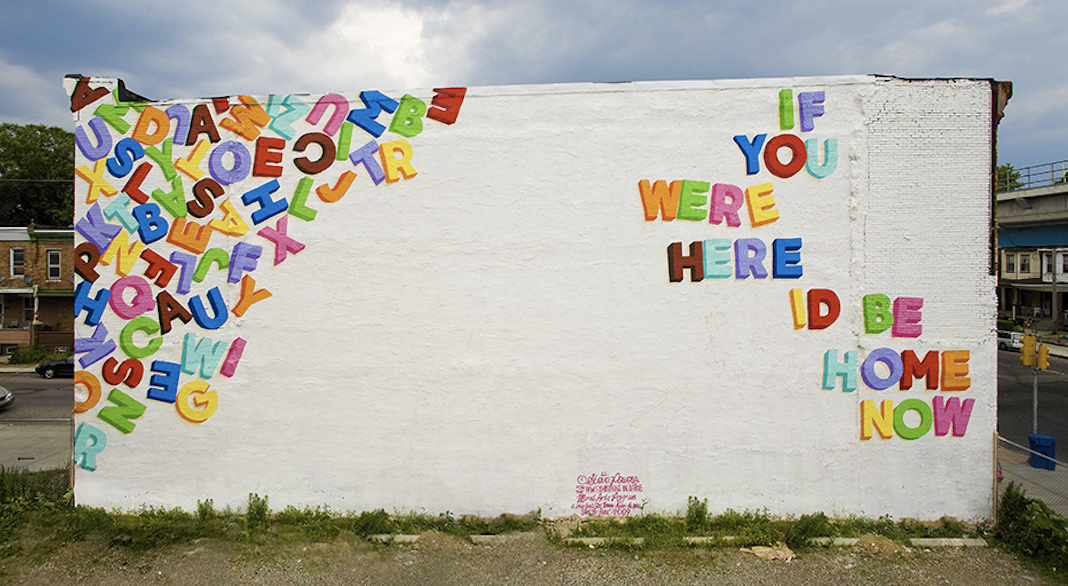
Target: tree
(36, 175)
(1008, 178)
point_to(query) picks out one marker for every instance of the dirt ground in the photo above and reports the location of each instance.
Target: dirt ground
(526, 558)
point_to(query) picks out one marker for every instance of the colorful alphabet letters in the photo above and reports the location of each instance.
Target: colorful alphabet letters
(181, 206)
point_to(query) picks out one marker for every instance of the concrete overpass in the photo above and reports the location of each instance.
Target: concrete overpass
(1033, 207)
(1032, 222)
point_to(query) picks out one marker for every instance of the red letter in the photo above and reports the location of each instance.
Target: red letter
(268, 152)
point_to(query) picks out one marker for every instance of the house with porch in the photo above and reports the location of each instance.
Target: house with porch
(36, 288)
(1033, 246)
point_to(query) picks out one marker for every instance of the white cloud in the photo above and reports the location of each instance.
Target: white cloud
(365, 44)
(371, 43)
(1045, 106)
(1008, 7)
(28, 97)
(924, 51)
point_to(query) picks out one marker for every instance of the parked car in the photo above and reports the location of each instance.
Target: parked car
(1007, 339)
(56, 368)
(6, 398)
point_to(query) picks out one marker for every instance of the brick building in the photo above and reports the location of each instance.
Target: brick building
(36, 288)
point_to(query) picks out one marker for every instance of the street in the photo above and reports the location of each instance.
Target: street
(35, 431)
(1015, 396)
(37, 397)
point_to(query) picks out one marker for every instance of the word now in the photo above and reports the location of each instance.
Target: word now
(824, 307)
(712, 259)
(901, 369)
(686, 200)
(941, 414)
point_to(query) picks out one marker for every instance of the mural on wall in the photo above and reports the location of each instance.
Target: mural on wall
(589, 299)
(223, 146)
(744, 258)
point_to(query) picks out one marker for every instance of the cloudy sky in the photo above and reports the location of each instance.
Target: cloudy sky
(223, 47)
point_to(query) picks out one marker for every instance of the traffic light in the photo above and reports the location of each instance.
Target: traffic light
(1043, 356)
(1027, 352)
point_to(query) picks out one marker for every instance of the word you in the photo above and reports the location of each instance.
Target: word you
(721, 203)
(804, 154)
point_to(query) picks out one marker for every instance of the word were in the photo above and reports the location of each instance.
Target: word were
(686, 200)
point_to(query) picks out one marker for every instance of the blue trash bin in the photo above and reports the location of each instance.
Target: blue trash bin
(1045, 445)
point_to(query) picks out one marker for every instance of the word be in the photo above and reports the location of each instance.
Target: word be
(902, 316)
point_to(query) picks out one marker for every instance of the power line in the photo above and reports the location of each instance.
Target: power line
(71, 180)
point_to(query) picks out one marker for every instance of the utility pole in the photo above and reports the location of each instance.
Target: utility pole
(1054, 303)
(1034, 401)
(1036, 356)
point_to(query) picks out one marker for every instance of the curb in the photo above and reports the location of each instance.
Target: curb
(17, 368)
(834, 541)
(388, 538)
(949, 542)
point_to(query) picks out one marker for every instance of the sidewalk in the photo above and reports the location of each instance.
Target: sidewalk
(1057, 346)
(14, 368)
(1049, 485)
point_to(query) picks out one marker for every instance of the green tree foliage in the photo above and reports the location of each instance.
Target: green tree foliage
(36, 175)
(1008, 178)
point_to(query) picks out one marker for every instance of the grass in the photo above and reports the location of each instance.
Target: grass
(33, 526)
(750, 528)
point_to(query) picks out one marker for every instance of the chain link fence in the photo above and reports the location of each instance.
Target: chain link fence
(1039, 475)
(36, 458)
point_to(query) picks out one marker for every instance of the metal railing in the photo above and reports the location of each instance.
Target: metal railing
(1048, 481)
(36, 457)
(1034, 176)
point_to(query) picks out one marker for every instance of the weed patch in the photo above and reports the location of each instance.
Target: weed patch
(258, 514)
(315, 524)
(21, 484)
(1031, 529)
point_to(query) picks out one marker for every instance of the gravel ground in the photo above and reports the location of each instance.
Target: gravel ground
(526, 558)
